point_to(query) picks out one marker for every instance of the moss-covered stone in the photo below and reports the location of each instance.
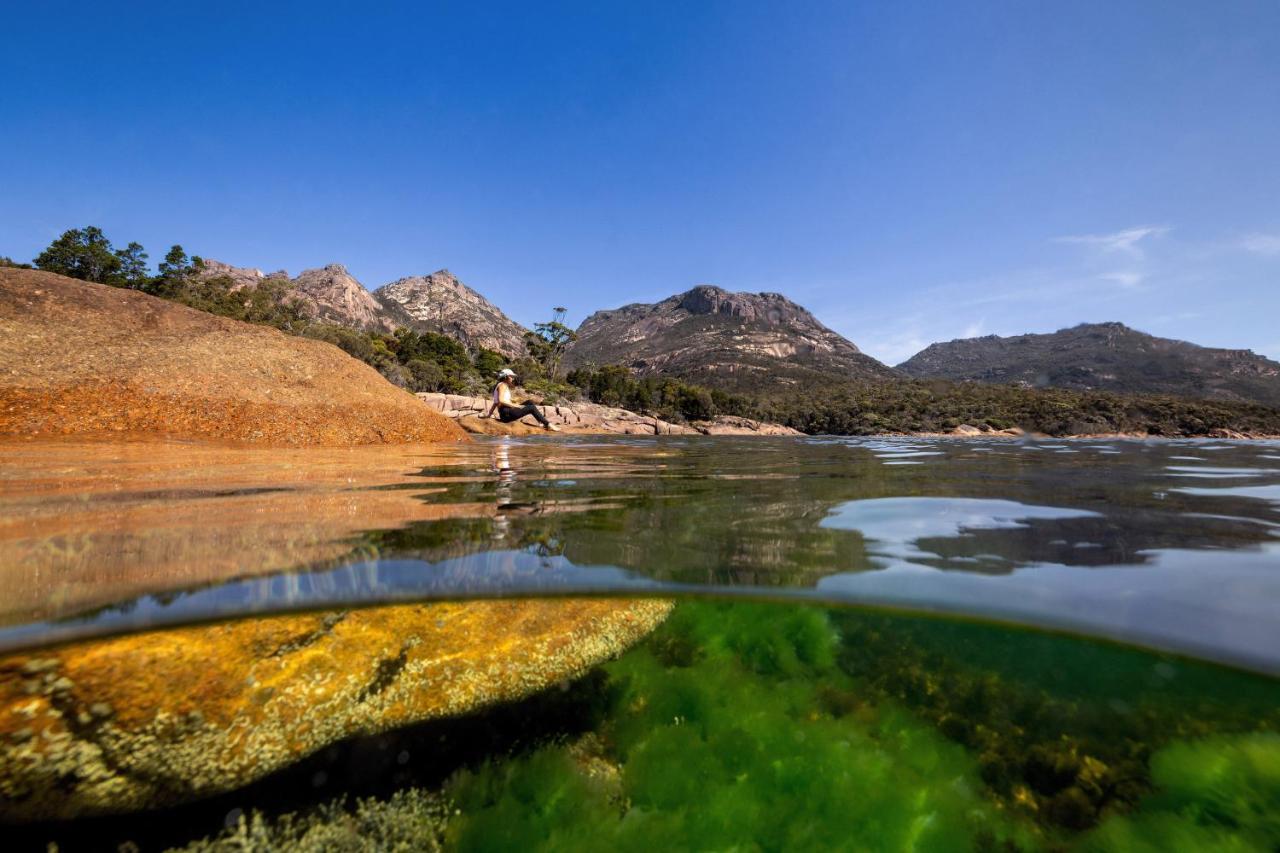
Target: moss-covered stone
(165, 717)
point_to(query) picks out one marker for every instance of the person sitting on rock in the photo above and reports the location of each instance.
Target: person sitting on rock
(508, 411)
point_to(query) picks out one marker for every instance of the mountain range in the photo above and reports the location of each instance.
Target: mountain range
(1103, 356)
(765, 343)
(438, 302)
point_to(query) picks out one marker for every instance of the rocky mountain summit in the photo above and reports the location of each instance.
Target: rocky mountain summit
(432, 303)
(1104, 356)
(441, 303)
(736, 341)
(334, 295)
(329, 294)
(241, 276)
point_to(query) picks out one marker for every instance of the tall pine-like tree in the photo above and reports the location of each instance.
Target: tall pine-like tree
(83, 253)
(133, 267)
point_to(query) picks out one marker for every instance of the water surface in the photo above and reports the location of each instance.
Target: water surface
(1174, 545)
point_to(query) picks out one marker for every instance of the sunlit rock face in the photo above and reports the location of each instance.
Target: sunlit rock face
(166, 717)
(121, 362)
(1104, 356)
(441, 303)
(241, 277)
(739, 341)
(332, 294)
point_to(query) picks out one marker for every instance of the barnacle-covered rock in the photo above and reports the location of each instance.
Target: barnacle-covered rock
(159, 718)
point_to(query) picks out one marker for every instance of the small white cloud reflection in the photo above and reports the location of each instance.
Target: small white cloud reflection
(894, 525)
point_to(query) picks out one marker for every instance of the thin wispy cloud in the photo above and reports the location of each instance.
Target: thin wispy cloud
(1262, 244)
(1125, 242)
(1127, 279)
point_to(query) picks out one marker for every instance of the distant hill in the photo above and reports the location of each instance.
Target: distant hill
(1104, 356)
(734, 341)
(441, 303)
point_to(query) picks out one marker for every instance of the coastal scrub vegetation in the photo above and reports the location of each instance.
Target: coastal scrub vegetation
(907, 406)
(428, 361)
(665, 396)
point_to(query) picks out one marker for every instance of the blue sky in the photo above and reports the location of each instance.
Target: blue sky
(911, 172)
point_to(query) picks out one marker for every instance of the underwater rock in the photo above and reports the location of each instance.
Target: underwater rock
(155, 719)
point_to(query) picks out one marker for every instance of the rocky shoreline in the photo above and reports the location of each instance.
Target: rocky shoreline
(591, 419)
(594, 419)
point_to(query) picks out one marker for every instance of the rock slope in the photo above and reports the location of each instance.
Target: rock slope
(441, 303)
(77, 358)
(1104, 356)
(736, 341)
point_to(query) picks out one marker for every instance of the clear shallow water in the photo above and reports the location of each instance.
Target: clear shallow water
(1136, 541)
(843, 715)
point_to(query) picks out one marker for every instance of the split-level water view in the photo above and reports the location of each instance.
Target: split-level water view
(642, 643)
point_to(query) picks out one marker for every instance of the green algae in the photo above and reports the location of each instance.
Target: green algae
(1220, 793)
(772, 727)
(1064, 728)
(725, 735)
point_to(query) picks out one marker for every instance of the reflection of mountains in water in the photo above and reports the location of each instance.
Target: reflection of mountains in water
(756, 513)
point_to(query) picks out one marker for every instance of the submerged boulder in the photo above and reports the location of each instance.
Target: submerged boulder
(160, 718)
(82, 358)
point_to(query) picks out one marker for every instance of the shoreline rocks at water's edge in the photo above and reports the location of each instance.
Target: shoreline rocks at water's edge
(594, 419)
(969, 431)
(591, 419)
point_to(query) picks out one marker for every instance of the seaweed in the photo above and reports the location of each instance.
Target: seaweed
(1064, 728)
(1219, 793)
(737, 745)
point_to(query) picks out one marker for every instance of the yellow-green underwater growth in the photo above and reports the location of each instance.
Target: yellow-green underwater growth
(733, 729)
(1064, 729)
(1215, 794)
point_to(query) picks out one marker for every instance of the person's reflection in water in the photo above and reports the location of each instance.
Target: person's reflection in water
(504, 500)
(502, 494)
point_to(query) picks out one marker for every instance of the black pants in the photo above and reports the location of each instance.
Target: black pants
(507, 414)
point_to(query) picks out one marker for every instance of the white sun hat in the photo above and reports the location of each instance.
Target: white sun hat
(505, 372)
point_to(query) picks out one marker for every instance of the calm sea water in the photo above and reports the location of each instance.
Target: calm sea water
(909, 643)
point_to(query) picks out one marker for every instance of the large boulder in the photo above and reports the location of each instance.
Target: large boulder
(155, 719)
(81, 358)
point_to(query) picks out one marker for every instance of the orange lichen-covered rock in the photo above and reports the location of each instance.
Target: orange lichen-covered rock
(80, 358)
(159, 718)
